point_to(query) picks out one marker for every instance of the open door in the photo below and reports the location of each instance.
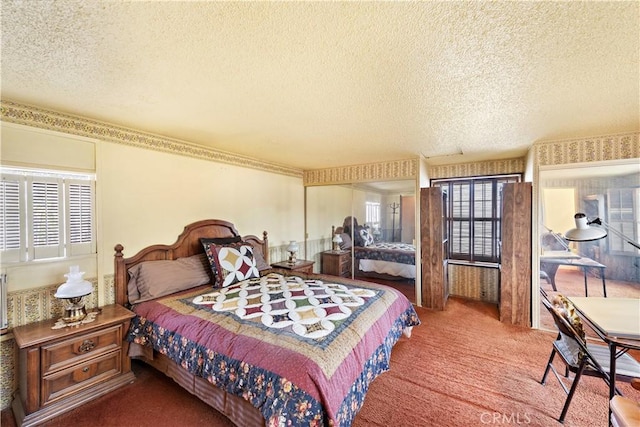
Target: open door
(515, 262)
(433, 246)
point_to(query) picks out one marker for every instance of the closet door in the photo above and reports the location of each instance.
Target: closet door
(515, 265)
(432, 244)
(407, 219)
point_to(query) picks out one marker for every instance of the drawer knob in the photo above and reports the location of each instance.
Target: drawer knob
(85, 369)
(86, 346)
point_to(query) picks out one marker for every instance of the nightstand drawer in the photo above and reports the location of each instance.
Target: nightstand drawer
(74, 350)
(67, 381)
(345, 265)
(336, 263)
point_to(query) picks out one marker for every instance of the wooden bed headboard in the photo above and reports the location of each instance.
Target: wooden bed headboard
(187, 244)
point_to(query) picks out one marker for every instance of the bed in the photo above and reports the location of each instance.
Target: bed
(386, 259)
(265, 349)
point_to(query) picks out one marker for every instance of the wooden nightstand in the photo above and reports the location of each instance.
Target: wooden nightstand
(301, 265)
(336, 263)
(60, 369)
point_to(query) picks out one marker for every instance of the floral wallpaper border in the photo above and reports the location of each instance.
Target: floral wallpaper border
(8, 372)
(382, 171)
(46, 119)
(32, 305)
(491, 167)
(585, 150)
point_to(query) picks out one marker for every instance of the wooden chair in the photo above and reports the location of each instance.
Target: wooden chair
(625, 412)
(580, 357)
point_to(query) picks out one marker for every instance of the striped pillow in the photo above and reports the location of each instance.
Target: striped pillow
(153, 279)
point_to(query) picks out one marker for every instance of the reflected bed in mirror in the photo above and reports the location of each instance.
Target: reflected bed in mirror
(386, 209)
(391, 260)
(385, 248)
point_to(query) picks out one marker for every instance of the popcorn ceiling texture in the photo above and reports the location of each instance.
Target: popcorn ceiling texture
(314, 85)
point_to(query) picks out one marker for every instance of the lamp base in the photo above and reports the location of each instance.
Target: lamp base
(292, 259)
(74, 311)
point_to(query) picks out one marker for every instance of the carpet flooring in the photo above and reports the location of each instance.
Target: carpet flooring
(461, 367)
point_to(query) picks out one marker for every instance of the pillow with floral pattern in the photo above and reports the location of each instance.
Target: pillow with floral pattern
(230, 263)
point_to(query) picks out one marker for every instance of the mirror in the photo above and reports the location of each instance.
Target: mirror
(606, 267)
(378, 242)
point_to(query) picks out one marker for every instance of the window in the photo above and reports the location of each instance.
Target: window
(473, 216)
(45, 215)
(623, 203)
(372, 214)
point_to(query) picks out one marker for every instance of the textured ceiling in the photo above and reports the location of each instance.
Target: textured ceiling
(320, 84)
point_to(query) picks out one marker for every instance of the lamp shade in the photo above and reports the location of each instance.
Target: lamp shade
(336, 238)
(583, 231)
(293, 246)
(75, 286)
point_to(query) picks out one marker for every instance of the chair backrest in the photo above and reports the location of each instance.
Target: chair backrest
(570, 331)
(564, 324)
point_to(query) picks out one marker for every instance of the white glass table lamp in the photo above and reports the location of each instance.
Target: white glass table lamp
(73, 290)
(336, 242)
(292, 249)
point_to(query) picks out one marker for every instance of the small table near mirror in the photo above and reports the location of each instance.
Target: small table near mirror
(301, 265)
(551, 260)
(336, 263)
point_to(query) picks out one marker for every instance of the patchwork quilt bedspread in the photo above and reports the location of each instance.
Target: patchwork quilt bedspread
(401, 253)
(301, 350)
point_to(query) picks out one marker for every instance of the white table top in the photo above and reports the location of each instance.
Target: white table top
(615, 317)
(559, 254)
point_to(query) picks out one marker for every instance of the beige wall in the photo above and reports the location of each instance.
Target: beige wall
(31, 147)
(148, 197)
(327, 206)
(143, 197)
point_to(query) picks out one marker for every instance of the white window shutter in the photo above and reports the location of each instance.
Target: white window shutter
(45, 197)
(80, 228)
(46, 215)
(11, 220)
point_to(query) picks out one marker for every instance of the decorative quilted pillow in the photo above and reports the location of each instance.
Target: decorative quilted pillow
(367, 238)
(258, 256)
(230, 263)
